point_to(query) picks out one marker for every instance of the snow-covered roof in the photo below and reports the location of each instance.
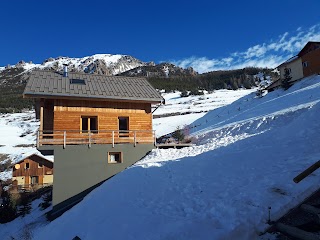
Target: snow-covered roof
(23, 156)
(289, 61)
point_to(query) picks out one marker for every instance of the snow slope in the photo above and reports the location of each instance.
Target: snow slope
(192, 107)
(246, 156)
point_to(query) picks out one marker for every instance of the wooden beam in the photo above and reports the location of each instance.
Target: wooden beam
(41, 114)
(41, 122)
(307, 172)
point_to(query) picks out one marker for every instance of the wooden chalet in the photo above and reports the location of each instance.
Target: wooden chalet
(33, 171)
(95, 125)
(85, 109)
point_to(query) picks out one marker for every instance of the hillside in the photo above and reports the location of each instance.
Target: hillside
(229, 79)
(245, 158)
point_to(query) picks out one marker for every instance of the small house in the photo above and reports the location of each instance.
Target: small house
(33, 171)
(94, 125)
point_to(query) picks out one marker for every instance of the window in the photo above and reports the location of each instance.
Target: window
(77, 81)
(89, 124)
(34, 179)
(123, 126)
(27, 166)
(114, 157)
(40, 165)
(287, 70)
(305, 64)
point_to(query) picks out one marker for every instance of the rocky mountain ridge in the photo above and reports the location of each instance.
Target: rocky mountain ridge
(106, 64)
(13, 78)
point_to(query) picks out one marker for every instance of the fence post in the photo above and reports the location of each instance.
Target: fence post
(38, 139)
(64, 139)
(89, 134)
(113, 139)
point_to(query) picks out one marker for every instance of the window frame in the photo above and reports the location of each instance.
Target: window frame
(115, 153)
(34, 177)
(124, 132)
(39, 165)
(89, 124)
(27, 166)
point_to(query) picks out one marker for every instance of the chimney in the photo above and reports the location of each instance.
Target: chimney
(65, 70)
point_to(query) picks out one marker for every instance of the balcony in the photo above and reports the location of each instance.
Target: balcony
(76, 137)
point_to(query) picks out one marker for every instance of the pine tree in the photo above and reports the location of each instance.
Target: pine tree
(8, 210)
(47, 198)
(286, 79)
(178, 134)
(25, 207)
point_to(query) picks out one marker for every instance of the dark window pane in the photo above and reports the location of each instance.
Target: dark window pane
(123, 123)
(93, 124)
(35, 180)
(84, 124)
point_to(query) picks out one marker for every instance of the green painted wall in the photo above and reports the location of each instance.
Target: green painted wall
(78, 168)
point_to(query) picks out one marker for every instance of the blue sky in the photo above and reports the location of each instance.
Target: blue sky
(207, 35)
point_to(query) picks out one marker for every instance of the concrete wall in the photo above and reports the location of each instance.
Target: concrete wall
(78, 168)
(296, 69)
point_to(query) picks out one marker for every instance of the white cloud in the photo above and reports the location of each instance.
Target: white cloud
(269, 54)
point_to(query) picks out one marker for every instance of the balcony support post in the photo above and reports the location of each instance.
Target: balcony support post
(113, 139)
(64, 139)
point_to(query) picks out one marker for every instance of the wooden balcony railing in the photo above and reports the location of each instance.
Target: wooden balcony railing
(75, 137)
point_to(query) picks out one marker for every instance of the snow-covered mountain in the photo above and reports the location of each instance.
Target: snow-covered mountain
(107, 64)
(245, 156)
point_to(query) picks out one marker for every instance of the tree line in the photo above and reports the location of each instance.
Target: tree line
(232, 79)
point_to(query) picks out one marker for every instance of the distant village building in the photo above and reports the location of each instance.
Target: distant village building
(304, 64)
(94, 125)
(32, 171)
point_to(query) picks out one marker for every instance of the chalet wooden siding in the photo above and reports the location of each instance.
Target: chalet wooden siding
(68, 113)
(311, 62)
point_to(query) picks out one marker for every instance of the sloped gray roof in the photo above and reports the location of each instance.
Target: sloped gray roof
(90, 86)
